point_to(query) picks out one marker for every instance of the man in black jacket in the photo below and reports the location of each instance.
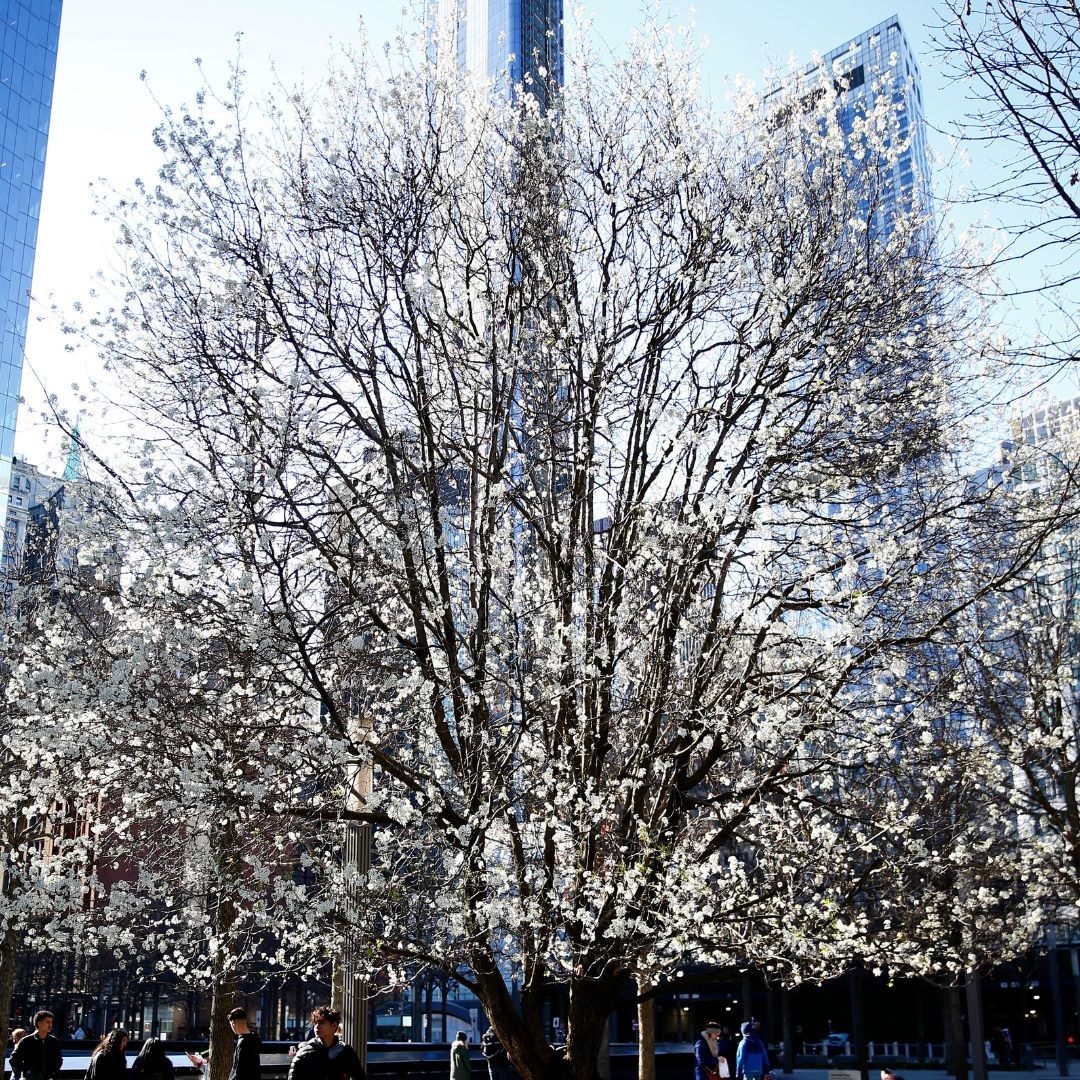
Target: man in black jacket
(247, 1054)
(38, 1057)
(326, 1057)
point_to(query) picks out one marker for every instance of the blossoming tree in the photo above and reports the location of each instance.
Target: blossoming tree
(590, 473)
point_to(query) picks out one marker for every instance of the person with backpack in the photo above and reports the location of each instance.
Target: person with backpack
(752, 1059)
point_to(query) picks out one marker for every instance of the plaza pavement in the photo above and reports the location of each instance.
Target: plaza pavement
(277, 1065)
(1044, 1070)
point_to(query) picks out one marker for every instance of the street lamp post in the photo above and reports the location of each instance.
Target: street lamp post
(350, 988)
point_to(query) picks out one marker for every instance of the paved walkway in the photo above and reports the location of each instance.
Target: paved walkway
(1044, 1070)
(75, 1064)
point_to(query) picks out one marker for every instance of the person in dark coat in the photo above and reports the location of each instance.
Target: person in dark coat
(460, 1066)
(16, 1036)
(38, 1056)
(153, 1063)
(725, 1046)
(108, 1061)
(247, 1054)
(495, 1055)
(706, 1058)
(326, 1057)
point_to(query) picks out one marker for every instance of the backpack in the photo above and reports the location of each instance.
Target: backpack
(753, 1056)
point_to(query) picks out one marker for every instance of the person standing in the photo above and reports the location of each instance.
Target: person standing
(326, 1057)
(153, 1063)
(108, 1061)
(247, 1054)
(16, 1036)
(38, 1056)
(706, 1056)
(725, 1047)
(752, 1059)
(495, 1055)
(460, 1066)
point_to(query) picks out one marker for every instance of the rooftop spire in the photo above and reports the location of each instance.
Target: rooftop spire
(73, 470)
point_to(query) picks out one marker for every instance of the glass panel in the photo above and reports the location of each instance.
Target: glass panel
(28, 41)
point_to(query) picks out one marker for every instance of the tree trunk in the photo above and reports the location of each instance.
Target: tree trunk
(646, 1041)
(858, 1027)
(603, 1058)
(521, 1034)
(955, 1044)
(223, 973)
(786, 1033)
(587, 1015)
(920, 1028)
(7, 981)
(523, 1037)
(222, 1039)
(747, 997)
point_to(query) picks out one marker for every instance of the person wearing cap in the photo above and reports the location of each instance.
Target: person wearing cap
(706, 1058)
(752, 1059)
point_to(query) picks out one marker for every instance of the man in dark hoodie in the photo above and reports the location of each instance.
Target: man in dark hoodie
(38, 1056)
(326, 1057)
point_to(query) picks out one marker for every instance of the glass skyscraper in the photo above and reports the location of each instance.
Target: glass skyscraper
(522, 38)
(855, 64)
(28, 38)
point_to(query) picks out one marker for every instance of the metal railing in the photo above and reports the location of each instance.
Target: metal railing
(903, 1051)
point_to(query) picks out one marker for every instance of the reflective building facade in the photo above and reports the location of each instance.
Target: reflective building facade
(854, 64)
(522, 38)
(28, 39)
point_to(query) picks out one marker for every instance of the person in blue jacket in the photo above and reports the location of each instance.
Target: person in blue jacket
(752, 1059)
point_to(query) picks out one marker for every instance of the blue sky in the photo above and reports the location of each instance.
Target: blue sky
(103, 114)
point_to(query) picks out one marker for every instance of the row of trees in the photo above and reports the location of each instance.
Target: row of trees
(576, 500)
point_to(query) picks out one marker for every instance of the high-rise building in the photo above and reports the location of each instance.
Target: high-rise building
(856, 65)
(28, 38)
(520, 38)
(28, 487)
(29, 490)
